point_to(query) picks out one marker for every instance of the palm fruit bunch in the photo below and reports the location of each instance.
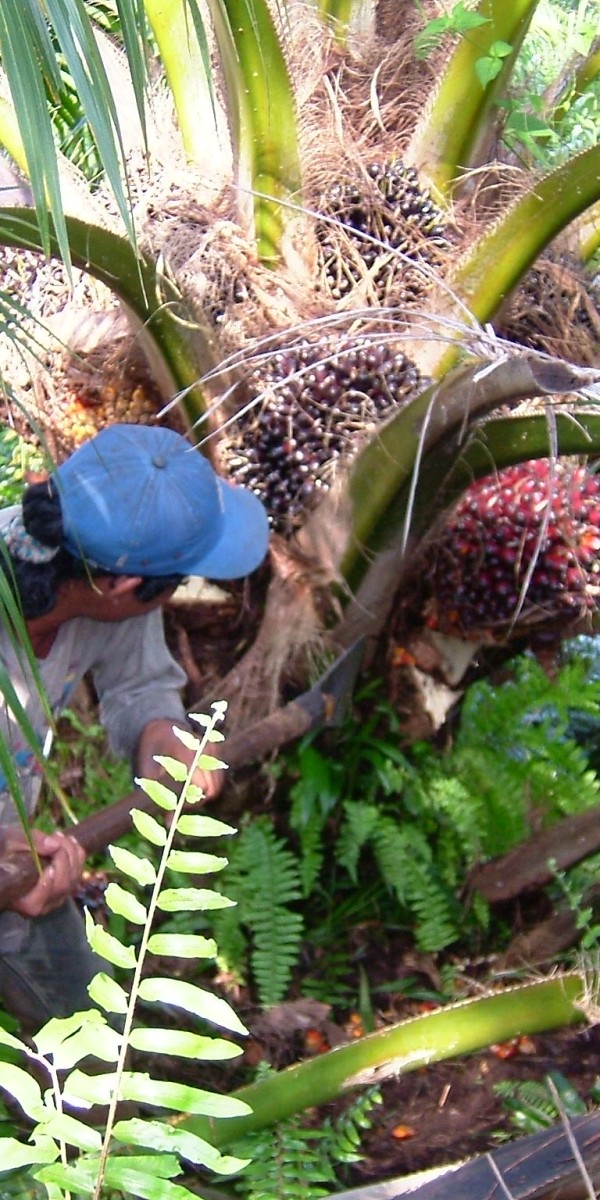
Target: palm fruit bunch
(556, 310)
(79, 414)
(396, 214)
(313, 403)
(520, 550)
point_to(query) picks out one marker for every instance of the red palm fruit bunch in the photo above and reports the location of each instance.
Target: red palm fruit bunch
(521, 548)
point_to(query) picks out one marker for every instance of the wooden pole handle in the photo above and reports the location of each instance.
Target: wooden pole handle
(18, 872)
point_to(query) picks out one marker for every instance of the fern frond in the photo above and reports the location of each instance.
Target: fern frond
(498, 784)
(398, 849)
(561, 782)
(534, 1105)
(295, 1161)
(308, 824)
(405, 859)
(263, 877)
(276, 940)
(360, 821)
(343, 1134)
(435, 911)
(330, 979)
(461, 817)
(286, 1164)
(529, 1104)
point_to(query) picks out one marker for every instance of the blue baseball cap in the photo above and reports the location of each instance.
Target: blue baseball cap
(139, 500)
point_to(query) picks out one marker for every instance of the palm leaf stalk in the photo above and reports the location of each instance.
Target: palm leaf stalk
(262, 116)
(179, 348)
(446, 142)
(587, 71)
(505, 441)
(493, 266)
(587, 232)
(420, 506)
(10, 135)
(498, 443)
(386, 471)
(182, 44)
(339, 14)
(456, 1029)
(259, 102)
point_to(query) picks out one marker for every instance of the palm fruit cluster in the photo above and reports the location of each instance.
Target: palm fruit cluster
(556, 310)
(395, 213)
(79, 415)
(522, 549)
(314, 402)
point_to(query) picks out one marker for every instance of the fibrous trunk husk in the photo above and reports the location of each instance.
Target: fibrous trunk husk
(556, 309)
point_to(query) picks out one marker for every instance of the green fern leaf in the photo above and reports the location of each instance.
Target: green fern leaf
(360, 821)
(298, 1162)
(264, 878)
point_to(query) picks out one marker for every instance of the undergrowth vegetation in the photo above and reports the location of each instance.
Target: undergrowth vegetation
(544, 125)
(360, 832)
(365, 831)
(301, 1160)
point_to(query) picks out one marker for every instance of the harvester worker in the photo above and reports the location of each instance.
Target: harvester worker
(91, 555)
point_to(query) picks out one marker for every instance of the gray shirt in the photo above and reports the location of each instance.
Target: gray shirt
(136, 678)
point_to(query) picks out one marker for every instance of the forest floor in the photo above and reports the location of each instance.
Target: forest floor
(450, 1111)
(432, 1116)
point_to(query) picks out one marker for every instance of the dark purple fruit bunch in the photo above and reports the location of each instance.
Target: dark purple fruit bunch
(522, 548)
(396, 213)
(315, 401)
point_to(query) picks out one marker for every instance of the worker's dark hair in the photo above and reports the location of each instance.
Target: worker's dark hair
(37, 584)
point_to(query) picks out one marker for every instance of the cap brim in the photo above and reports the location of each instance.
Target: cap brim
(244, 541)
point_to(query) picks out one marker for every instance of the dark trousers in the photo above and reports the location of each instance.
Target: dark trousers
(48, 976)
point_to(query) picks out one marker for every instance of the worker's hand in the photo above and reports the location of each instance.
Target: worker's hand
(63, 860)
(158, 737)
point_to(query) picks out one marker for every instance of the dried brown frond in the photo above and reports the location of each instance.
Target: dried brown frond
(291, 632)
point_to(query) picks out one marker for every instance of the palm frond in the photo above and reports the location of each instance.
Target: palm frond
(262, 115)
(445, 142)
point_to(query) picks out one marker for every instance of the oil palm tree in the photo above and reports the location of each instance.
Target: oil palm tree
(273, 253)
(293, 241)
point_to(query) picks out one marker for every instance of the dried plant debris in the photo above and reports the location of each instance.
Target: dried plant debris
(555, 310)
(521, 548)
(314, 403)
(378, 224)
